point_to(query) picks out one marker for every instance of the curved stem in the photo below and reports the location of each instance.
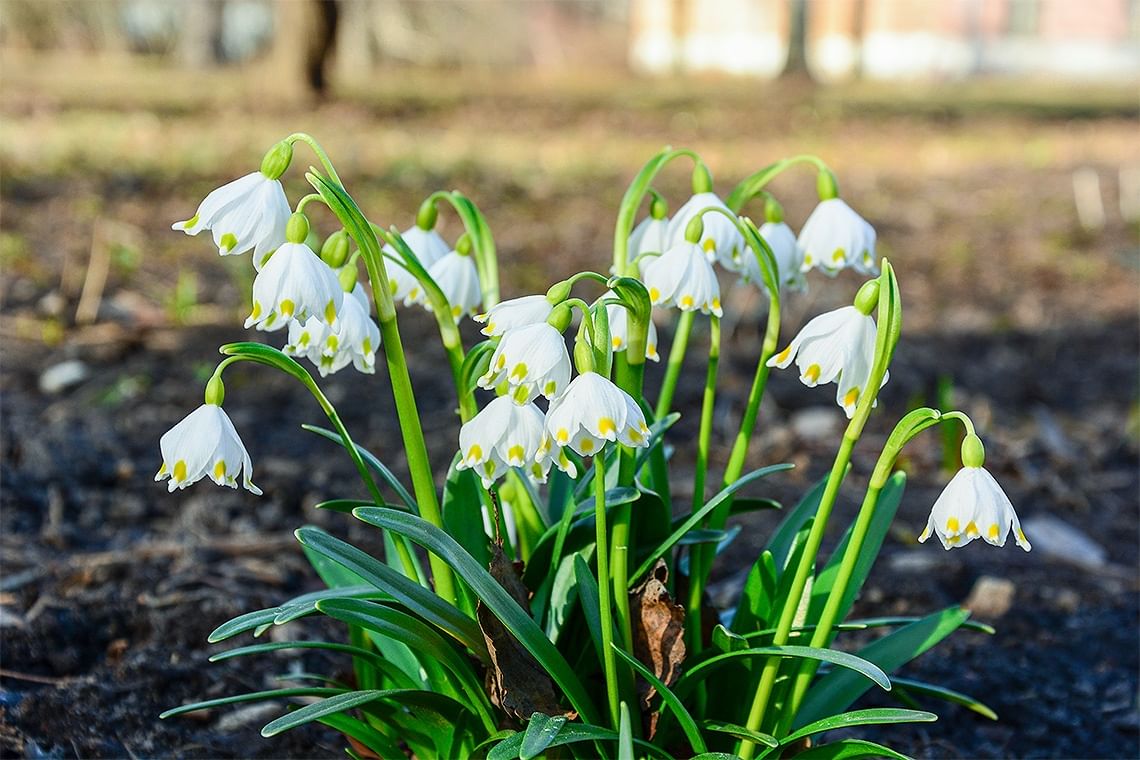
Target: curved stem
(676, 359)
(486, 256)
(609, 659)
(319, 151)
(631, 201)
(305, 201)
(751, 186)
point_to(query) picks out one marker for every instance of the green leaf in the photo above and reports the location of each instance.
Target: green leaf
(849, 749)
(333, 573)
(255, 696)
(462, 508)
(837, 690)
(328, 706)
(380, 744)
(780, 544)
(744, 504)
(921, 688)
(415, 597)
(758, 596)
(871, 717)
(588, 595)
(372, 461)
(625, 730)
(396, 675)
(695, 518)
(563, 596)
(305, 603)
(881, 520)
(571, 733)
(497, 600)
(541, 730)
(742, 732)
(858, 665)
(684, 719)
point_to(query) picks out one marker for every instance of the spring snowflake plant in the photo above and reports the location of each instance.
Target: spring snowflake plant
(563, 602)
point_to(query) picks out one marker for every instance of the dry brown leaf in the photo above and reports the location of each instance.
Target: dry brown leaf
(515, 681)
(658, 633)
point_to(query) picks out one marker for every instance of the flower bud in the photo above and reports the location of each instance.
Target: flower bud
(297, 230)
(583, 356)
(658, 207)
(277, 160)
(695, 229)
(559, 318)
(334, 252)
(427, 215)
(773, 211)
(867, 299)
(347, 277)
(559, 292)
(463, 245)
(973, 452)
(215, 390)
(702, 179)
(826, 185)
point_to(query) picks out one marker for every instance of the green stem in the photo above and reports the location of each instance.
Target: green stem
(751, 186)
(475, 224)
(631, 201)
(673, 368)
(759, 382)
(609, 659)
(319, 151)
(305, 201)
(701, 556)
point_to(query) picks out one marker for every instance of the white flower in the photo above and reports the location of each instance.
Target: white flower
(457, 277)
(250, 212)
(834, 237)
(354, 340)
(973, 506)
(649, 236)
(684, 278)
(532, 360)
(839, 347)
(517, 312)
(789, 263)
(294, 284)
(721, 241)
(503, 435)
(205, 444)
(429, 248)
(592, 411)
(619, 329)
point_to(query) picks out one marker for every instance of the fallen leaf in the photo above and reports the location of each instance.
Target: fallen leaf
(515, 681)
(658, 634)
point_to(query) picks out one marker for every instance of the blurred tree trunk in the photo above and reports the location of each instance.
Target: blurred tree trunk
(303, 42)
(201, 33)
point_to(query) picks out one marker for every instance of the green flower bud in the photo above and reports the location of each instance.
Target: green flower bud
(215, 391)
(702, 179)
(347, 277)
(297, 230)
(826, 185)
(427, 215)
(334, 252)
(559, 292)
(867, 299)
(559, 318)
(658, 207)
(277, 160)
(973, 452)
(463, 245)
(695, 229)
(773, 211)
(583, 356)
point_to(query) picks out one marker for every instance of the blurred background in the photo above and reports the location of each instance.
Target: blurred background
(994, 145)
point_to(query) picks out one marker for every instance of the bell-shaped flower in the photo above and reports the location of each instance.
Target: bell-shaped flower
(250, 212)
(294, 284)
(353, 341)
(650, 236)
(721, 240)
(516, 312)
(593, 411)
(533, 361)
(838, 347)
(205, 444)
(503, 435)
(684, 278)
(971, 506)
(789, 262)
(458, 278)
(835, 237)
(429, 248)
(619, 330)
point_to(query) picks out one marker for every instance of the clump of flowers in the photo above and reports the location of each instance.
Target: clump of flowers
(564, 600)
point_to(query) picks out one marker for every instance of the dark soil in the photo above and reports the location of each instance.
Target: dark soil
(110, 585)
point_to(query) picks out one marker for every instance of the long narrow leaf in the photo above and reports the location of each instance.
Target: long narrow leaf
(397, 676)
(858, 665)
(380, 744)
(871, 717)
(571, 733)
(849, 749)
(328, 706)
(688, 725)
(941, 692)
(743, 732)
(497, 600)
(374, 462)
(255, 696)
(541, 730)
(625, 729)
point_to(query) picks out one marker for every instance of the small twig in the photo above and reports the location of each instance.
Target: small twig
(33, 678)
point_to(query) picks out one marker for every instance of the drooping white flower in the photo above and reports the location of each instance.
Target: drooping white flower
(789, 263)
(835, 237)
(721, 240)
(618, 317)
(458, 278)
(971, 506)
(205, 444)
(504, 435)
(684, 278)
(651, 235)
(593, 411)
(838, 347)
(533, 360)
(429, 248)
(294, 284)
(353, 341)
(250, 212)
(516, 312)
